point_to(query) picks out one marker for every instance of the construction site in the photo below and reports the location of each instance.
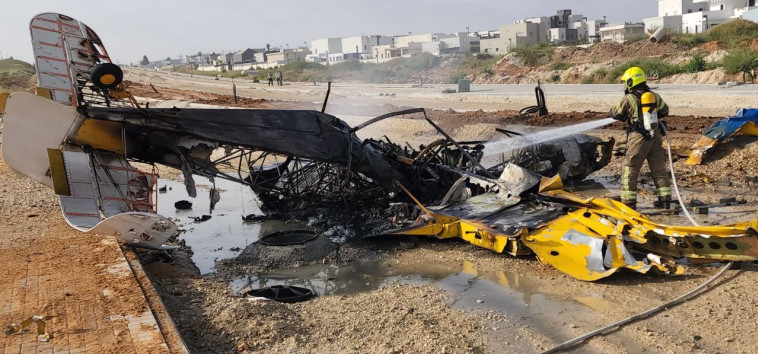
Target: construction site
(149, 211)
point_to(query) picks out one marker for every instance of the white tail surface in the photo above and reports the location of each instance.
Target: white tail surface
(31, 125)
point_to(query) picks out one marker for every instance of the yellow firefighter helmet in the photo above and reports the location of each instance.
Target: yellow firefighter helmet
(633, 77)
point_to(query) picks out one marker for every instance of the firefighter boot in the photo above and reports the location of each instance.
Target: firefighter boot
(663, 202)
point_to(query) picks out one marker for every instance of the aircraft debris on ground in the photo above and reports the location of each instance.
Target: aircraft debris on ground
(745, 121)
(300, 159)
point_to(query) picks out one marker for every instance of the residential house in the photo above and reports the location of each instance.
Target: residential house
(563, 27)
(620, 32)
(326, 45)
(459, 42)
(286, 56)
(696, 16)
(405, 41)
(362, 46)
(243, 56)
(518, 34)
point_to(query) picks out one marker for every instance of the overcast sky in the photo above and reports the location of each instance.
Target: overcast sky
(159, 29)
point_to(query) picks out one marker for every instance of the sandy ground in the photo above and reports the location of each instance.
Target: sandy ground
(214, 319)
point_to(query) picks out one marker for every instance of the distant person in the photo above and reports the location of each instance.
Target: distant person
(270, 79)
(278, 77)
(639, 105)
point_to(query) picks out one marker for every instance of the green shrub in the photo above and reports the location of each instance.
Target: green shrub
(651, 66)
(534, 55)
(738, 59)
(688, 40)
(696, 64)
(713, 65)
(586, 80)
(453, 79)
(733, 32)
(561, 65)
(15, 75)
(555, 78)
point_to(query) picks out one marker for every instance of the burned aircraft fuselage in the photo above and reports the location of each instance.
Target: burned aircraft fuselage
(296, 155)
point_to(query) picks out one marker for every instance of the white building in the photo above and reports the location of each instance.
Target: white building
(696, 16)
(592, 29)
(517, 34)
(564, 27)
(620, 32)
(544, 22)
(285, 56)
(460, 42)
(362, 45)
(405, 41)
(326, 45)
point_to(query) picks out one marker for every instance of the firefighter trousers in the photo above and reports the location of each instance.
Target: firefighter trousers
(639, 150)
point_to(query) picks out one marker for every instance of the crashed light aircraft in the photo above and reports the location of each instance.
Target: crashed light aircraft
(81, 131)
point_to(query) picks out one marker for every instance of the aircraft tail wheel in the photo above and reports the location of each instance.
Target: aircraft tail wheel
(107, 75)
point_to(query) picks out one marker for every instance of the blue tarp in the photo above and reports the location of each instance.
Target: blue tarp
(726, 127)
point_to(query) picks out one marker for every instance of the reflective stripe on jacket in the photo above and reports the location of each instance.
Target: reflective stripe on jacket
(629, 107)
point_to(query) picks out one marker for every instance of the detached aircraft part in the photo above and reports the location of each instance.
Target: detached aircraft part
(588, 239)
(99, 192)
(745, 121)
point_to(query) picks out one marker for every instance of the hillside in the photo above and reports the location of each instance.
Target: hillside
(15, 75)
(705, 58)
(711, 57)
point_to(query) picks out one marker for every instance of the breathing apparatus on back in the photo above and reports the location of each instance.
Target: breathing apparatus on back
(649, 112)
(634, 80)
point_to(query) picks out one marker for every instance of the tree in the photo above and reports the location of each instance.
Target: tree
(144, 61)
(168, 58)
(268, 47)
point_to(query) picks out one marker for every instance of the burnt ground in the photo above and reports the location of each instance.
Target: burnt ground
(407, 315)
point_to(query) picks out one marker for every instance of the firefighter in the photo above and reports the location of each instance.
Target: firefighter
(640, 109)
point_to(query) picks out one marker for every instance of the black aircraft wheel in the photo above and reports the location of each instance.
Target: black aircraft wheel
(107, 76)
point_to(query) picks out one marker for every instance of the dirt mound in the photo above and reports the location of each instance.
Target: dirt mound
(164, 93)
(712, 46)
(509, 69)
(613, 50)
(703, 77)
(752, 43)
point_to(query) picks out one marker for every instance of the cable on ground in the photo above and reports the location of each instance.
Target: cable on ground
(617, 325)
(540, 108)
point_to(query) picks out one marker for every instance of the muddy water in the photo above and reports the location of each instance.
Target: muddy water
(224, 235)
(496, 289)
(520, 298)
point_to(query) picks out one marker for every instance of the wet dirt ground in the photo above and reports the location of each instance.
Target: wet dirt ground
(424, 295)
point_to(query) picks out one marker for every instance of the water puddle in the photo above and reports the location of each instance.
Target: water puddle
(225, 235)
(471, 288)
